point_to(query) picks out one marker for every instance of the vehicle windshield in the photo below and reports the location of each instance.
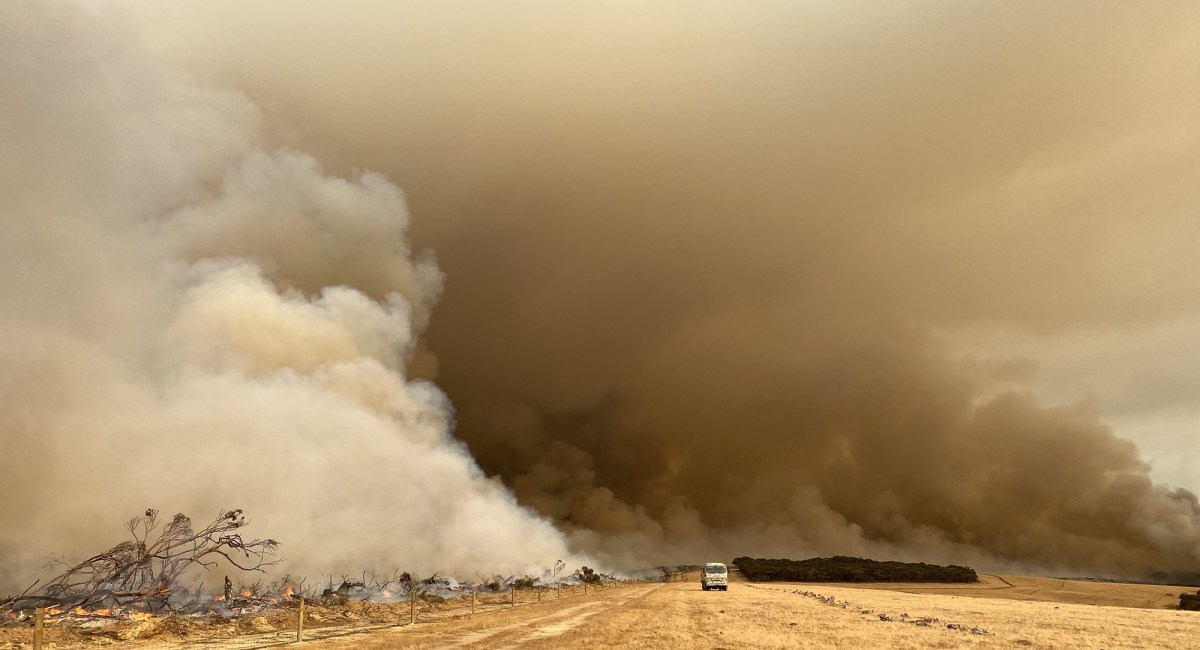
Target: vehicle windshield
(714, 569)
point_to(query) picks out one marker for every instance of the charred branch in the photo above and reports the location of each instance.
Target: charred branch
(143, 572)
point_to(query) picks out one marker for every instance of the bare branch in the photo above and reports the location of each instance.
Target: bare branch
(146, 568)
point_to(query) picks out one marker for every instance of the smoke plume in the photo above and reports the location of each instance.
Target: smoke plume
(765, 278)
(737, 277)
(193, 321)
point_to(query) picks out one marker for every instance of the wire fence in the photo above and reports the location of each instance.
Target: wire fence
(297, 621)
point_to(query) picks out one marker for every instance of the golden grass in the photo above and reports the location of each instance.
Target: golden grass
(680, 615)
(1053, 590)
(1005, 611)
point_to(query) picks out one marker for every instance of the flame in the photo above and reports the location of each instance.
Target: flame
(79, 611)
(288, 591)
(385, 593)
(53, 611)
(219, 597)
(246, 591)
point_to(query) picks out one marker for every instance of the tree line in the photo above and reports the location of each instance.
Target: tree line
(849, 569)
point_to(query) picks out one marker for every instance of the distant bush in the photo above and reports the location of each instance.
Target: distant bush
(1190, 602)
(586, 574)
(850, 569)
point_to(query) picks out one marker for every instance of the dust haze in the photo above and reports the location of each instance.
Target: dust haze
(722, 278)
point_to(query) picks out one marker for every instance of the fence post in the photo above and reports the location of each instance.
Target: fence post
(300, 623)
(514, 594)
(539, 590)
(412, 606)
(472, 600)
(39, 624)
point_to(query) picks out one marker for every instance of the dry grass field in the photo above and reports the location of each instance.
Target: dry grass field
(680, 615)
(1054, 590)
(998, 612)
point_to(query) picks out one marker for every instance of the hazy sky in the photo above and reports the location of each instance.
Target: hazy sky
(1021, 177)
(821, 276)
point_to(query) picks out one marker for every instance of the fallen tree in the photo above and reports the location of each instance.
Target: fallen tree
(144, 572)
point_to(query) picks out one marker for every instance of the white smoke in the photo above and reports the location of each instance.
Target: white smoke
(192, 322)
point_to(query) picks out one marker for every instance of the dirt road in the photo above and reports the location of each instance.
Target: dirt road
(790, 616)
(529, 626)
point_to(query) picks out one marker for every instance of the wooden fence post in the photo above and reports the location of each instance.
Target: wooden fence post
(539, 590)
(472, 600)
(514, 594)
(412, 606)
(300, 623)
(39, 624)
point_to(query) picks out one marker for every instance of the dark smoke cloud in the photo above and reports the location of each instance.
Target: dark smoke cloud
(720, 277)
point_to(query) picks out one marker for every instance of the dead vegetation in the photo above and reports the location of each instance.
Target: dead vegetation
(152, 586)
(145, 573)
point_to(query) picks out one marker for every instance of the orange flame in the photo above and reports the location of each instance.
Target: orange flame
(288, 591)
(246, 591)
(79, 611)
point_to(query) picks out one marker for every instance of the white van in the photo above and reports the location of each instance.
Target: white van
(714, 576)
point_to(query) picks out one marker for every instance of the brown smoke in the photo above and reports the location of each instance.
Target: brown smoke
(714, 271)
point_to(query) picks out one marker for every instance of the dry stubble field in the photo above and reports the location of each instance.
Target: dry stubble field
(1007, 612)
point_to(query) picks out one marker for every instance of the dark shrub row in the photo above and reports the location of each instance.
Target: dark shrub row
(1190, 602)
(1181, 578)
(850, 569)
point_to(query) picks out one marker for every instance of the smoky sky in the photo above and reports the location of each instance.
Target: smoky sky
(789, 278)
